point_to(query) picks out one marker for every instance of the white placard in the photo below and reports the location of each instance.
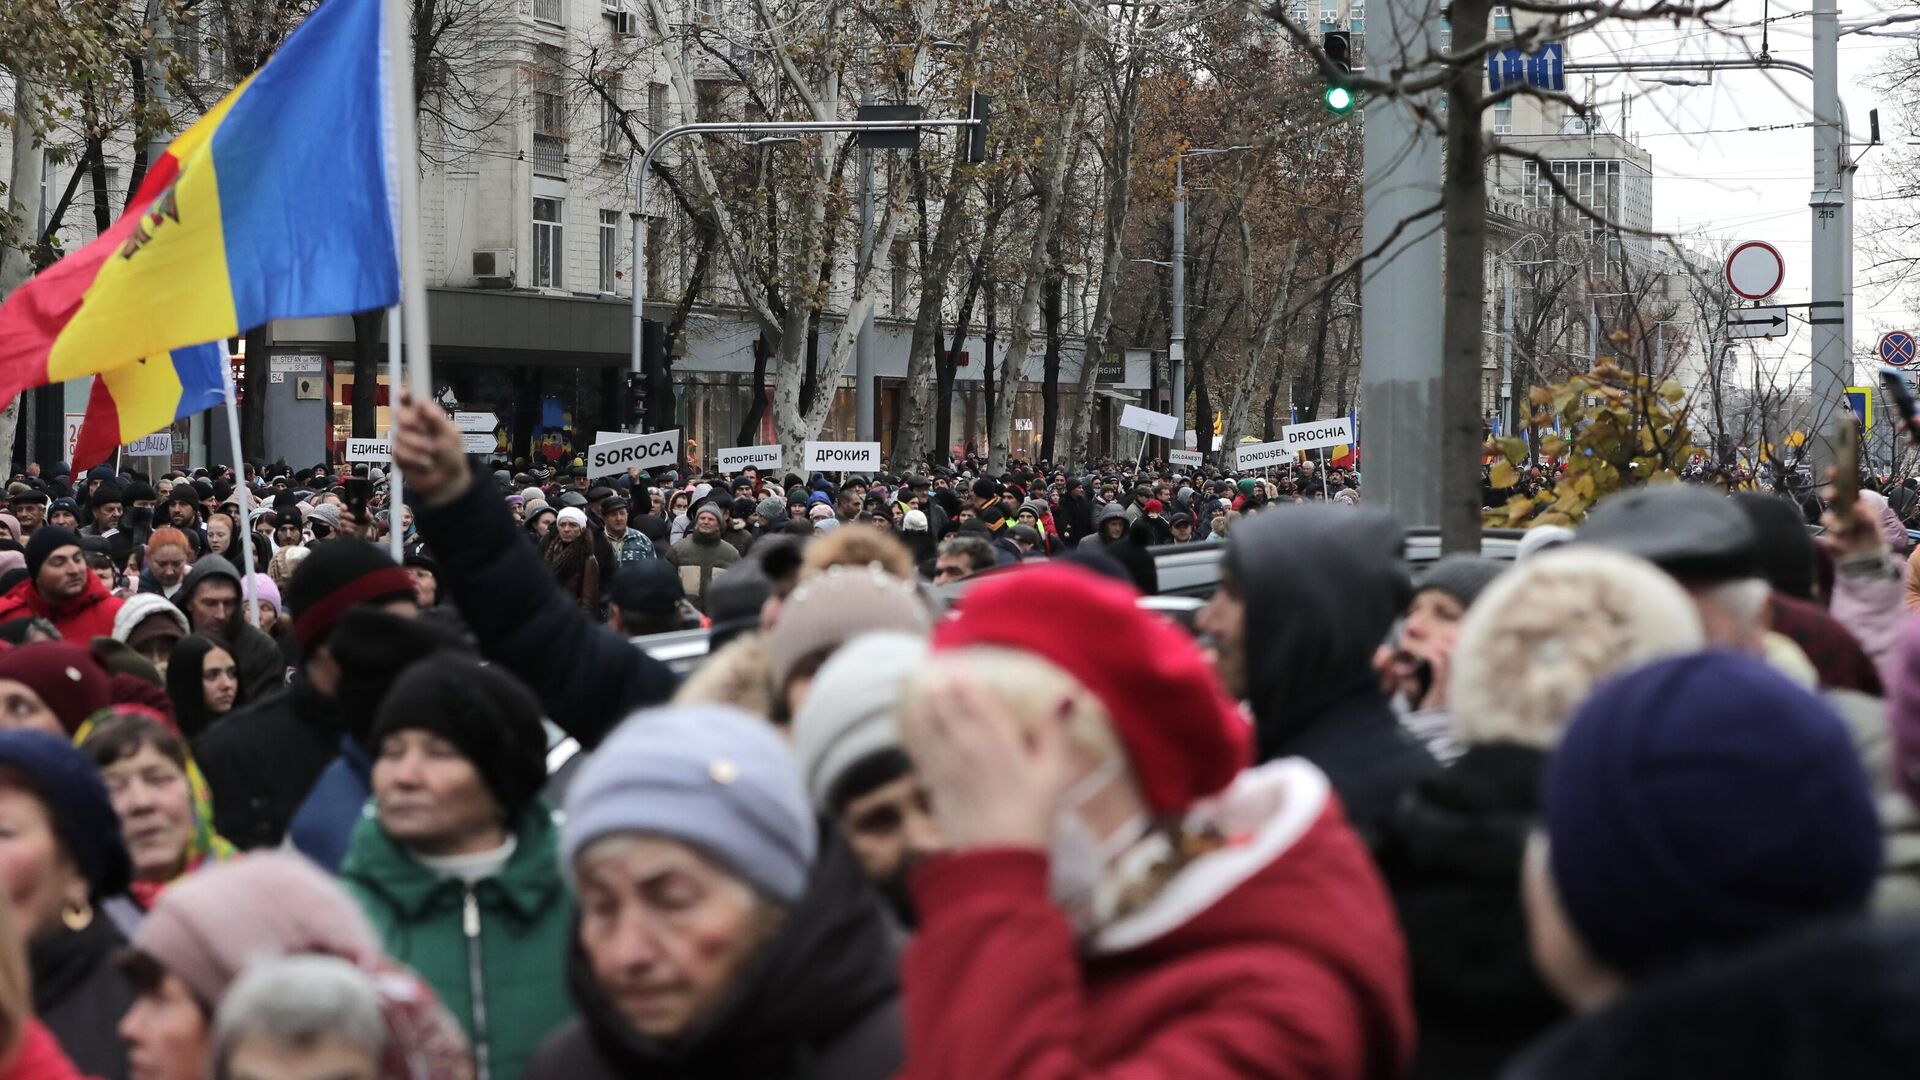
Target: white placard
(479, 443)
(154, 445)
(305, 364)
(472, 423)
(1184, 457)
(735, 458)
(1315, 434)
(617, 454)
(368, 450)
(1023, 423)
(842, 456)
(1263, 455)
(1153, 423)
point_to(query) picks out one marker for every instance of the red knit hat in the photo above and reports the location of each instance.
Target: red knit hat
(1183, 736)
(65, 676)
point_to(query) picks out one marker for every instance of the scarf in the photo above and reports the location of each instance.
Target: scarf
(203, 845)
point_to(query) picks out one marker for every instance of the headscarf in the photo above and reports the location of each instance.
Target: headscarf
(204, 844)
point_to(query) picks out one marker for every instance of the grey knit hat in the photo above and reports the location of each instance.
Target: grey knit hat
(709, 776)
(772, 508)
(1461, 577)
(837, 604)
(849, 714)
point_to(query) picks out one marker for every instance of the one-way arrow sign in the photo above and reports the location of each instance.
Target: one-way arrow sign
(1756, 322)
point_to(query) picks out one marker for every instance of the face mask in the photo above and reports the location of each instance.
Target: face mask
(1077, 862)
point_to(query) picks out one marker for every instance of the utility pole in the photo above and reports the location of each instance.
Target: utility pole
(1400, 321)
(863, 374)
(1827, 315)
(1177, 338)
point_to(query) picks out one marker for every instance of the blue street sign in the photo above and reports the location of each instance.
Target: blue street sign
(1896, 348)
(1544, 69)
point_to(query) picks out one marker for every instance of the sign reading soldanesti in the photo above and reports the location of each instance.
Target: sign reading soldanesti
(1184, 457)
(621, 452)
(736, 458)
(842, 456)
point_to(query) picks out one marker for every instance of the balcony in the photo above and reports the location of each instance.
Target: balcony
(549, 156)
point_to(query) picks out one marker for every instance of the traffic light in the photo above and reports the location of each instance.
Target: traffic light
(644, 386)
(978, 108)
(1338, 96)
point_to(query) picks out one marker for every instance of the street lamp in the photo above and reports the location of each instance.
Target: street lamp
(1177, 339)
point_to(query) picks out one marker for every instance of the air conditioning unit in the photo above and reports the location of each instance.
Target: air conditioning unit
(626, 23)
(493, 267)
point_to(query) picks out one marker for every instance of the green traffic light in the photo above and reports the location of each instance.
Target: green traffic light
(1339, 100)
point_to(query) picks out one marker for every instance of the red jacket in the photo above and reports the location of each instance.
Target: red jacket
(80, 620)
(38, 1057)
(1277, 956)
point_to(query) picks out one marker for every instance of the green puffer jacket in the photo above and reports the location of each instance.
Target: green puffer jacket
(496, 953)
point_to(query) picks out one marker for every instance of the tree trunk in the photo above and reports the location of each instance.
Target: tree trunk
(1464, 209)
(1052, 182)
(919, 412)
(1119, 205)
(1202, 408)
(366, 373)
(1259, 374)
(1050, 366)
(749, 433)
(988, 396)
(23, 204)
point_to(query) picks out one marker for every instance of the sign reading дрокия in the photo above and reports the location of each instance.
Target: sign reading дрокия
(736, 458)
(842, 456)
(1315, 434)
(621, 452)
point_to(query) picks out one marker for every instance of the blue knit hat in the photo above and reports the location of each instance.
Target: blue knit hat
(76, 799)
(1701, 803)
(709, 776)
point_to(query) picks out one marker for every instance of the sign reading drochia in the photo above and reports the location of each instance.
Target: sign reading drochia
(842, 456)
(1315, 434)
(736, 458)
(618, 454)
(1263, 455)
(368, 450)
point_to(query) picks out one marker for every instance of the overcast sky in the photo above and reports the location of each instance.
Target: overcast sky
(1715, 181)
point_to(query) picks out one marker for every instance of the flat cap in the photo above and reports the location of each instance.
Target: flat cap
(1693, 533)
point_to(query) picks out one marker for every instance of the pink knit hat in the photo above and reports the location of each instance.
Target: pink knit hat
(208, 926)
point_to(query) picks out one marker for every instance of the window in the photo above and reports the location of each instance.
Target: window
(1357, 16)
(657, 255)
(1502, 22)
(709, 10)
(656, 107)
(551, 11)
(612, 140)
(706, 93)
(900, 265)
(609, 248)
(549, 114)
(1503, 117)
(1330, 14)
(549, 249)
(201, 42)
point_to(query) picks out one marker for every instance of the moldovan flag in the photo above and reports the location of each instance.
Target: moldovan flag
(144, 396)
(277, 204)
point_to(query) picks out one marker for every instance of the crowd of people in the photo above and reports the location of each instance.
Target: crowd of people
(1639, 802)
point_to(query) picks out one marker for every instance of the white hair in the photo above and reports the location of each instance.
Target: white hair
(298, 1001)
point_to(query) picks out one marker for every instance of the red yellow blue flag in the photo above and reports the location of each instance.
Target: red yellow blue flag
(142, 397)
(277, 204)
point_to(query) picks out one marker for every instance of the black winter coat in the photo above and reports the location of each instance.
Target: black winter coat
(80, 996)
(1322, 587)
(588, 677)
(261, 760)
(822, 1002)
(1834, 1002)
(1451, 855)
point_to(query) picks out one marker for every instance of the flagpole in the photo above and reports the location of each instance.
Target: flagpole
(245, 526)
(404, 168)
(396, 545)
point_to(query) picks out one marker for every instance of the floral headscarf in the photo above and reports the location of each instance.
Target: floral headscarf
(204, 844)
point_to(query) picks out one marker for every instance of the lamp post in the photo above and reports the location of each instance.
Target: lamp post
(1177, 337)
